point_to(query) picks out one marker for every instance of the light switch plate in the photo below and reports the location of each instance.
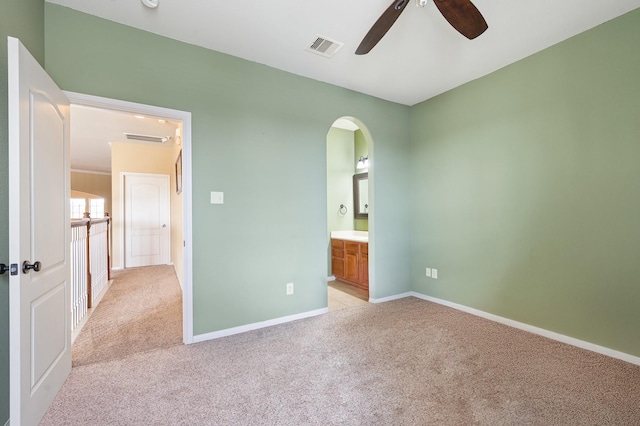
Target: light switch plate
(434, 273)
(217, 197)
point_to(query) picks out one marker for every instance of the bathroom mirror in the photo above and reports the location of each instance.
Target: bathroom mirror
(361, 196)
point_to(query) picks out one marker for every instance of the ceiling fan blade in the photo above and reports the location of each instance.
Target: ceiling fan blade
(382, 25)
(463, 16)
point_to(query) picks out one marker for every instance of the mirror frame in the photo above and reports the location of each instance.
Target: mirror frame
(356, 196)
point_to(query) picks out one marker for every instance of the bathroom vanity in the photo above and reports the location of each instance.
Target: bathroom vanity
(350, 257)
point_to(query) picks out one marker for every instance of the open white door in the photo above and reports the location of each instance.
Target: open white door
(39, 300)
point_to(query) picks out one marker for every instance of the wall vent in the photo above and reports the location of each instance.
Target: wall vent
(324, 46)
(146, 138)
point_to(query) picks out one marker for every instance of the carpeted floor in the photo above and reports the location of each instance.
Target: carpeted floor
(404, 362)
(141, 311)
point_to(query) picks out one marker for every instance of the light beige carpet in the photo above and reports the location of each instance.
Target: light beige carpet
(141, 311)
(405, 362)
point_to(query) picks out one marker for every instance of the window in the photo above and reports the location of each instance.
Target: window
(96, 207)
(78, 207)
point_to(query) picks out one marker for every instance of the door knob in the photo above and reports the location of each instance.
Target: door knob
(26, 266)
(13, 268)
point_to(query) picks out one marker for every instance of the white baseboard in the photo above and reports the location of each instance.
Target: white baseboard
(535, 330)
(390, 298)
(331, 278)
(506, 321)
(257, 325)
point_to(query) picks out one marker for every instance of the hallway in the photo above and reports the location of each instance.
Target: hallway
(141, 311)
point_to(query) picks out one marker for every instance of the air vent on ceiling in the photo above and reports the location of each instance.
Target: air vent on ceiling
(146, 138)
(324, 46)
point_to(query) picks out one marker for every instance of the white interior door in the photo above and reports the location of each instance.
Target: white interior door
(147, 219)
(39, 232)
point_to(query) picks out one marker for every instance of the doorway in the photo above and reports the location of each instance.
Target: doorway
(349, 156)
(182, 259)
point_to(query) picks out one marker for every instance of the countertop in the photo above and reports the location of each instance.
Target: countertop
(359, 236)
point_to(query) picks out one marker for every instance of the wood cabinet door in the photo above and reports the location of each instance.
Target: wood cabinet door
(351, 266)
(364, 268)
(337, 258)
(337, 267)
(352, 261)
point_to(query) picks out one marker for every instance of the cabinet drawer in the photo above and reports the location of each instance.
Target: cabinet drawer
(339, 244)
(351, 247)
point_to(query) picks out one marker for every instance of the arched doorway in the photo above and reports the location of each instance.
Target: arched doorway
(350, 210)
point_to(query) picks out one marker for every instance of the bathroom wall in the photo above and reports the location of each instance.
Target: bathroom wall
(340, 154)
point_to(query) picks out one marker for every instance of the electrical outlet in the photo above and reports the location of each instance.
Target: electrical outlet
(289, 289)
(428, 272)
(434, 274)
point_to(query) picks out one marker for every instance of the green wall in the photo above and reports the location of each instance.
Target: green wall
(526, 189)
(23, 19)
(272, 228)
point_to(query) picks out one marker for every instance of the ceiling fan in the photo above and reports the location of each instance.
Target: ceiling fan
(461, 14)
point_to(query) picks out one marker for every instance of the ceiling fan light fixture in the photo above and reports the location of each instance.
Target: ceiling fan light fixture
(462, 15)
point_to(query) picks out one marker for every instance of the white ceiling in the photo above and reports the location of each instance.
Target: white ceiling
(420, 57)
(93, 130)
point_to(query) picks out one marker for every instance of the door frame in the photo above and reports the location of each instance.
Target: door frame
(187, 233)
